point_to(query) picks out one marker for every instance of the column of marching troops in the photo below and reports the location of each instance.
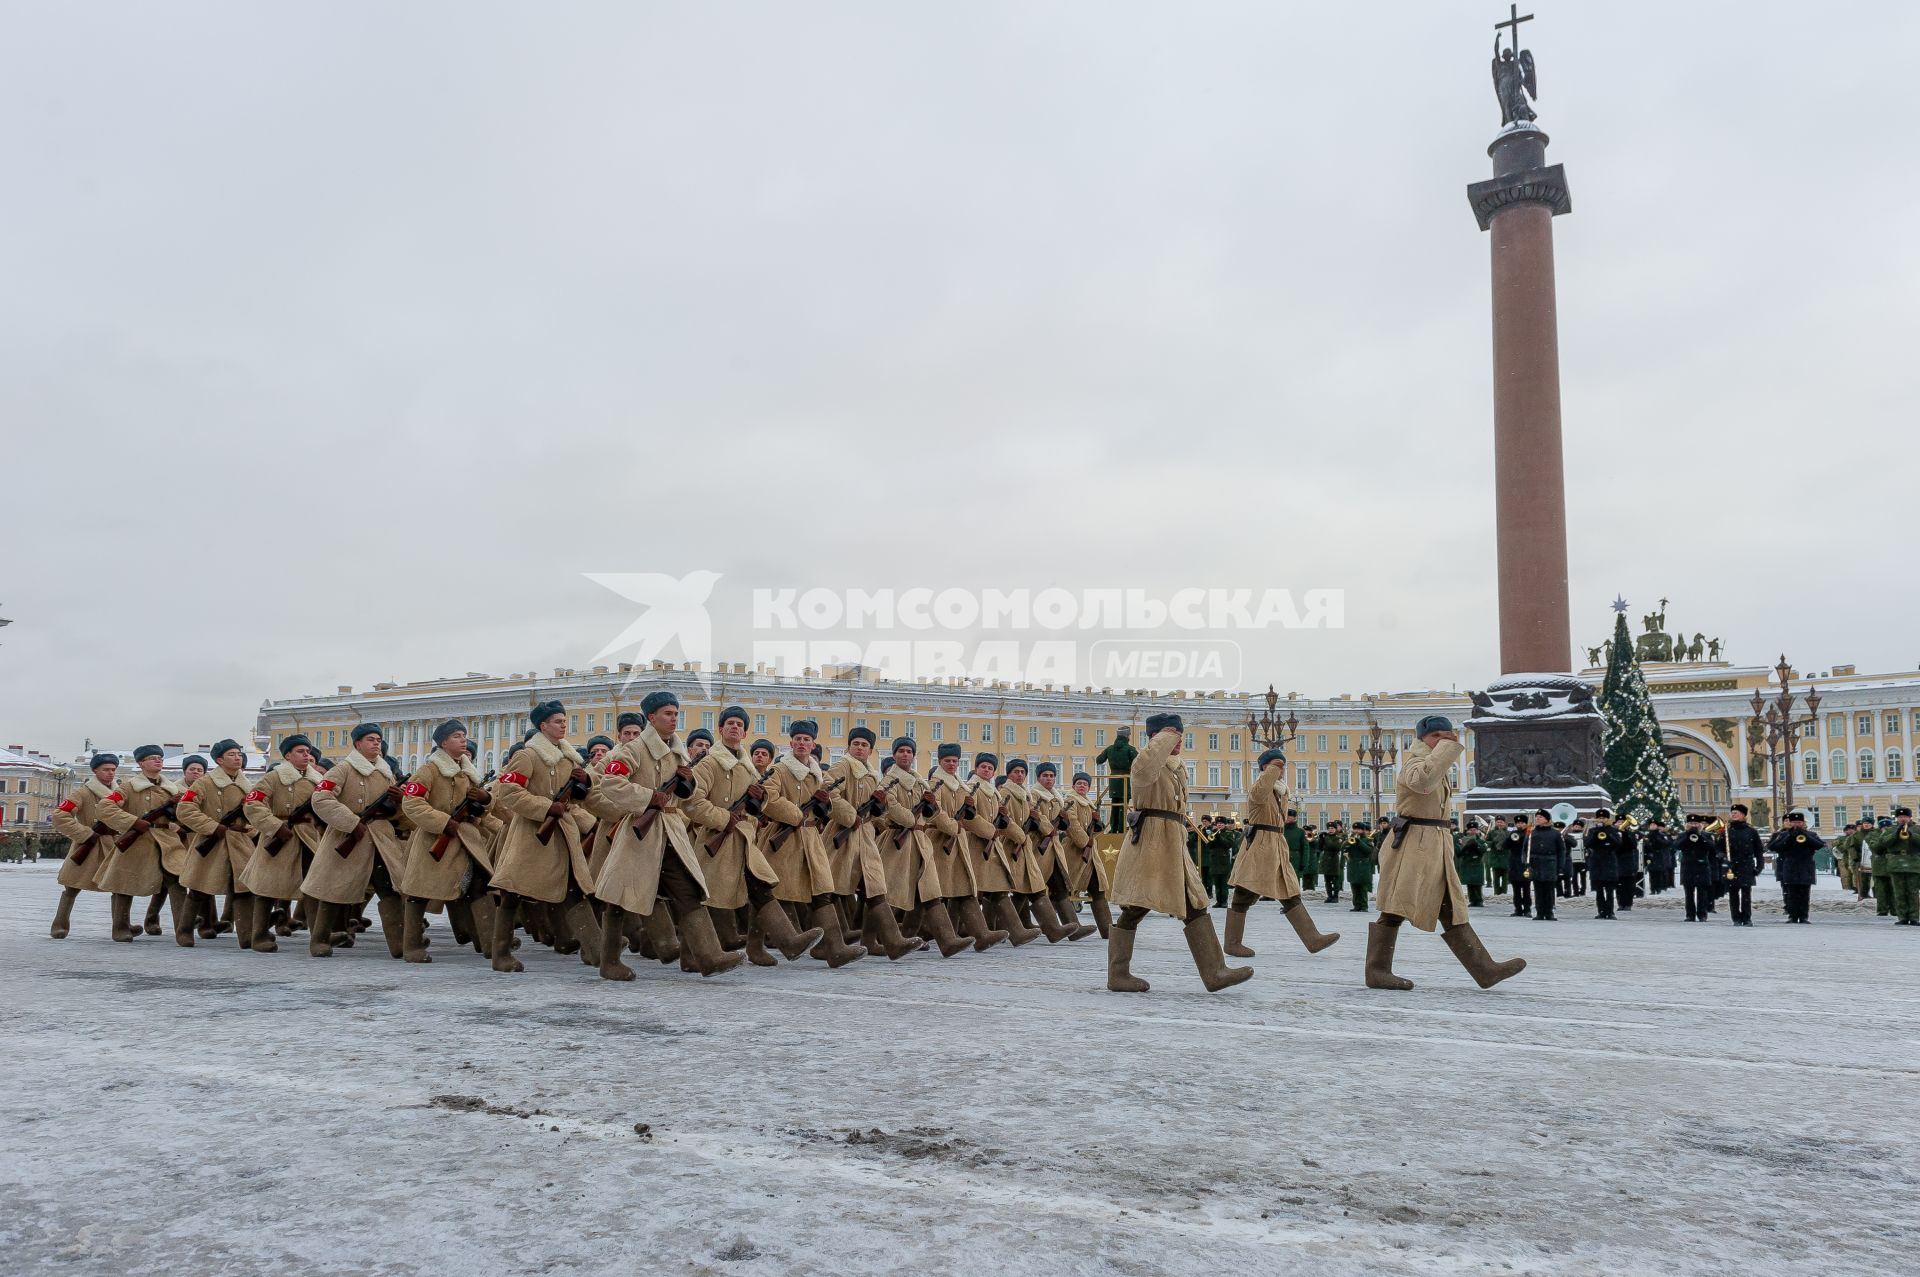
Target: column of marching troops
(706, 849)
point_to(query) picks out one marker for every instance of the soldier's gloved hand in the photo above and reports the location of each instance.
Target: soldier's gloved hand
(580, 776)
(821, 795)
(556, 809)
(656, 799)
(757, 792)
(394, 793)
(142, 824)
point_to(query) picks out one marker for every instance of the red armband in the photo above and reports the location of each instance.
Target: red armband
(512, 778)
(115, 797)
(326, 784)
(256, 796)
(189, 796)
(617, 768)
(414, 789)
(69, 805)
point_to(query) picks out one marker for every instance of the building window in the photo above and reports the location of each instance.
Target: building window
(1346, 779)
(1863, 724)
(1893, 722)
(1839, 813)
(1033, 736)
(1866, 812)
(1343, 744)
(1213, 742)
(1366, 781)
(20, 811)
(1213, 775)
(1234, 777)
(1866, 765)
(1813, 817)
(1689, 788)
(1894, 769)
(1320, 743)
(939, 730)
(1300, 777)
(838, 726)
(906, 728)
(963, 732)
(1386, 780)
(706, 720)
(1080, 736)
(1186, 742)
(1810, 768)
(573, 724)
(1837, 766)
(1233, 743)
(860, 722)
(1320, 778)
(1836, 724)
(1192, 778)
(886, 728)
(1053, 736)
(1099, 736)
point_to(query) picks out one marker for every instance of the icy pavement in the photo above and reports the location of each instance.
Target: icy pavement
(1649, 1096)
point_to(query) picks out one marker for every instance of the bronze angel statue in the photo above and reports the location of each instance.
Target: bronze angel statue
(1513, 83)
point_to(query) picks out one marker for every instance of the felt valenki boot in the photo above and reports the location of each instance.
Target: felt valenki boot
(413, 930)
(320, 919)
(661, 934)
(392, 923)
(1380, 941)
(1474, 957)
(613, 939)
(585, 926)
(1236, 934)
(1008, 920)
(185, 907)
(973, 920)
(1120, 977)
(699, 939)
(1102, 915)
(1204, 944)
(776, 927)
(151, 923)
(1048, 921)
(939, 923)
(123, 929)
(833, 948)
(885, 931)
(1070, 918)
(501, 948)
(63, 913)
(1311, 936)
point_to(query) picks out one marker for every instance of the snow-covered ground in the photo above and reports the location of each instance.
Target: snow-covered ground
(1649, 1096)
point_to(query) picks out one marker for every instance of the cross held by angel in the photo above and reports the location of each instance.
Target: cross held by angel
(1514, 79)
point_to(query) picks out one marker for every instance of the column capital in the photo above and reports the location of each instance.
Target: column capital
(1532, 186)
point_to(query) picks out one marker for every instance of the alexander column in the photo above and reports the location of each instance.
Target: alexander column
(1537, 736)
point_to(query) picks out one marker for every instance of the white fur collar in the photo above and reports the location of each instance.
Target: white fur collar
(659, 748)
(858, 768)
(550, 753)
(447, 766)
(135, 783)
(1018, 790)
(94, 786)
(946, 779)
(809, 770)
(359, 762)
(727, 759)
(222, 780)
(286, 773)
(1075, 796)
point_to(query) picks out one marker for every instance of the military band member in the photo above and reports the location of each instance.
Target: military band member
(77, 819)
(723, 821)
(1740, 845)
(645, 782)
(280, 813)
(1154, 873)
(356, 802)
(1334, 844)
(213, 811)
(1363, 859)
(1263, 870)
(1515, 849)
(953, 819)
(446, 805)
(1051, 822)
(1496, 849)
(1700, 867)
(1417, 881)
(1605, 846)
(1793, 849)
(1470, 861)
(1657, 848)
(1897, 848)
(797, 806)
(143, 805)
(1546, 853)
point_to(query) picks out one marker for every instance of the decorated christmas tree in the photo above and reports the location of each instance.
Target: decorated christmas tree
(1637, 774)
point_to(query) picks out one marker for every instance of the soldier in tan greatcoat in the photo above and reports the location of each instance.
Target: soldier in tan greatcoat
(651, 934)
(448, 809)
(543, 792)
(952, 818)
(852, 847)
(1154, 872)
(77, 819)
(1049, 824)
(213, 810)
(1263, 870)
(357, 802)
(139, 811)
(723, 821)
(1418, 882)
(907, 854)
(1080, 860)
(280, 812)
(797, 806)
(643, 785)
(993, 868)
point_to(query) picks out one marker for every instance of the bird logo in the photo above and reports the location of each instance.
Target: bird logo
(676, 613)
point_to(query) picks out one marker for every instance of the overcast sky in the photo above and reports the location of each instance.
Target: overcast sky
(337, 340)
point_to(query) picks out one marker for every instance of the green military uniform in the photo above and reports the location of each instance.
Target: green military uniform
(1118, 758)
(1363, 858)
(1217, 850)
(1496, 860)
(1327, 848)
(1306, 856)
(1881, 874)
(1296, 839)
(1470, 862)
(1898, 848)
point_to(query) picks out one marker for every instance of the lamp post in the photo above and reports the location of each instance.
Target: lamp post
(1376, 758)
(1775, 723)
(1269, 730)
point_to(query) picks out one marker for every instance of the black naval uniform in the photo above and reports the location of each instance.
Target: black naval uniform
(1546, 851)
(1657, 847)
(1700, 871)
(1793, 849)
(1743, 861)
(1515, 847)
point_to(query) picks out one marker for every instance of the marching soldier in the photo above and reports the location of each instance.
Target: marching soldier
(854, 851)
(1470, 861)
(77, 819)
(1080, 861)
(799, 803)
(598, 747)
(644, 783)
(1049, 816)
(1417, 882)
(357, 802)
(1898, 849)
(280, 812)
(142, 806)
(907, 854)
(1154, 873)
(1264, 870)
(723, 818)
(953, 817)
(992, 870)
(540, 858)
(448, 809)
(213, 812)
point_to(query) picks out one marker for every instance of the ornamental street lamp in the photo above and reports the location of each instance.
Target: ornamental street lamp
(1376, 758)
(1774, 722)
(1269, 730)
